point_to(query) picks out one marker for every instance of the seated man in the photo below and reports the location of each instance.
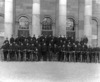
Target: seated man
(5, 51)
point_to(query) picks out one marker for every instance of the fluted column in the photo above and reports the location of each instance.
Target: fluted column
(36, 18)
(62, 17)
(8, 20)
(88, 21)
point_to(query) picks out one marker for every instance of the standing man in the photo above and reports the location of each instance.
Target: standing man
(12, 39)
(32, 48)
(50, 54)
(21, 49)
(59, 53)
(44, 52)
(63, 50)
(5, 47)
(11, 52)
(55, 51)
(6, 41)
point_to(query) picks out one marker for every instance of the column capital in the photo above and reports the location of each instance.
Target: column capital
(62, 2)
(88, 2)
(36, 1)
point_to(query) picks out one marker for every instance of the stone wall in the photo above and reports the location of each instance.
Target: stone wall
(75, 10)
(23, 8)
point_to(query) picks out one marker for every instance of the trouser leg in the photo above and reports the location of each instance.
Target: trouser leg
(67, 55)
(22, 55)
(62, 56)
(39, 56)
(17, 55)
(27, 55)
(5, 55)
(59, 56)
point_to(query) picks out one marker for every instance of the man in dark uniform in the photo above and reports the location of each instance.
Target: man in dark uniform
(11, 52)
(14, 50)
(55, 51)
(32, 48)
(17, 51)
(27, 48)
(85, 40)
(50, 50)
(29, 38)
(84, 56)
(45, 39)
(42, 37)
(79, 52)
(61, 43)
(36, 54)
(39, 52)
(36, 43)
(50, 38)
(76, 53)
(73, 52)
(93, 54)
(55, 40)
(21, 38)
(97, 54)
(52, 42)
(5, 48)
(39, 40)
(72, 40)
(68, 47)
(90, 54)
(86, 49)
(21, 51)
(25, 41)
(33, 39)
(69, 39)
(6, 41)
(63, 50)
(70, 50)
(12, 39)
(64, 43)
(64, 38)
(44, 52)
(17, 40)
(81, 42)
(59, 53)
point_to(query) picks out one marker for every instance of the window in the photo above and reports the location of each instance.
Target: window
(70, 24)
(70, 28)
(23, 28)
(23, 23)
(47, 23)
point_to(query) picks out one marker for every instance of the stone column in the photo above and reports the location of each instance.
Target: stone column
(8, 20)
(62, 17)
(88, 21)
(36, 18)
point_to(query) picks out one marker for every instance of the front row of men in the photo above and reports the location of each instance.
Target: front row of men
(37, 52)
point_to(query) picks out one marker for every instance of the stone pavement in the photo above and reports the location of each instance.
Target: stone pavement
(49, 72)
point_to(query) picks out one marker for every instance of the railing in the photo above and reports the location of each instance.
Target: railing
(65, 56)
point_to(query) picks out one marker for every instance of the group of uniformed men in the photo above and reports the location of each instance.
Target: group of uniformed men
(49, 48)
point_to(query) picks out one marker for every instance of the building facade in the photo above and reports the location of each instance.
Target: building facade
(76, 18)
